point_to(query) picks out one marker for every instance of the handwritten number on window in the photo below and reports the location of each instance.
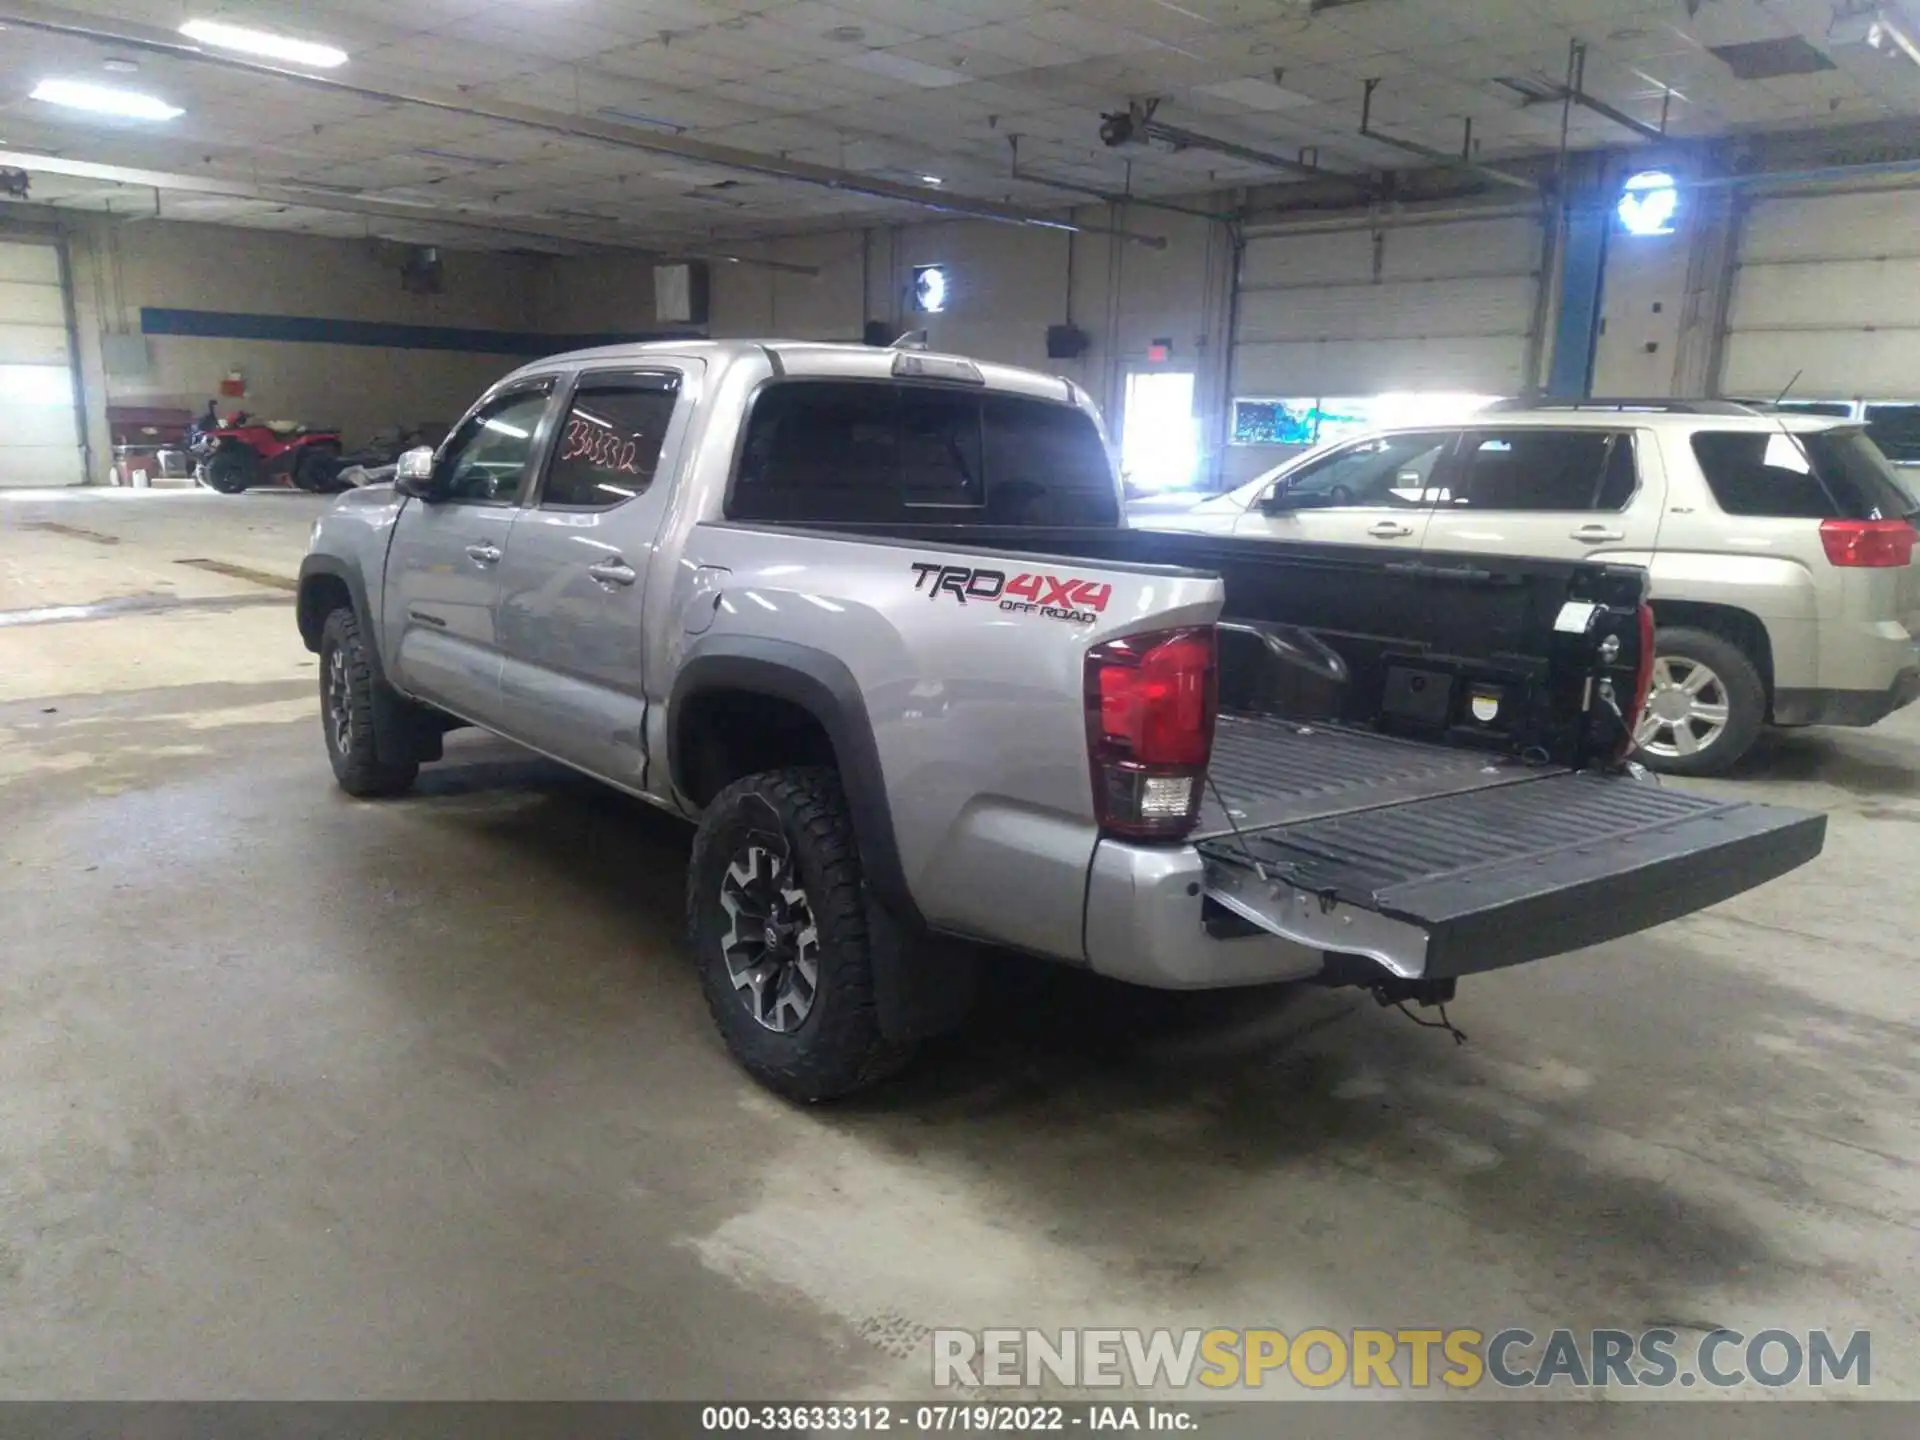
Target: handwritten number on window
(600, 447)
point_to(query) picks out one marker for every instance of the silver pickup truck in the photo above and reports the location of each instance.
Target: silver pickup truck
(871, 618)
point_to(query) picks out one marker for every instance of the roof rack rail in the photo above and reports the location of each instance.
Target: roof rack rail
(1659, 405)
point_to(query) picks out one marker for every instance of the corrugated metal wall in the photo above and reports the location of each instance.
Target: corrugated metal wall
(39, 435)
(1827, 286)
(1356, 312)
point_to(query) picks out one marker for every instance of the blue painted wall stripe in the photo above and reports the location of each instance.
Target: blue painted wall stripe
(318, 330)
(1582, 268)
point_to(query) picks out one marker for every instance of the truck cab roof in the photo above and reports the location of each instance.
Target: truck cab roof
(811, 359)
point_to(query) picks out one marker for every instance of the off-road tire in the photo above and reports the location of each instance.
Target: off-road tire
(1746, 701)
(838, 1047)
(229, 471)
(316, 470)
(356, 762)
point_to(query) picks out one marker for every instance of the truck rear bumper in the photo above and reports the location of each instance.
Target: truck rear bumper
(1436, 888)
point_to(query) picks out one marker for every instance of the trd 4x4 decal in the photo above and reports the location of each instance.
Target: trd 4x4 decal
(1054, 596)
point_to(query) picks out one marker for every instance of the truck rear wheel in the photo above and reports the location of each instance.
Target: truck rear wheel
(347, 713)
(779, 926)
(1706, 706)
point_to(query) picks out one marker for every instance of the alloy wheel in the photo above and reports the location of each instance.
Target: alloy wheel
(1686, 710)
(772, 944)
(339, 701)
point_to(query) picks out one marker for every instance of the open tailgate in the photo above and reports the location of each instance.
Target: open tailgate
(1497, 868)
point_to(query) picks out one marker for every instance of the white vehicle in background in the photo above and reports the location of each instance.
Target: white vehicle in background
(1781, 545)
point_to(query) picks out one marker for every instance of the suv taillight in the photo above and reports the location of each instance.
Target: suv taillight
(1642, 680)
(1877, 544)
(1150, 709)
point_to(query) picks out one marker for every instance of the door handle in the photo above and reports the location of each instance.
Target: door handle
(1389, 529)
(484, 554)
(613, 572)
(1598, 533)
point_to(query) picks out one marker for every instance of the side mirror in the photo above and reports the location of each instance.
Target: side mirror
(1278, 500)
(413, 474)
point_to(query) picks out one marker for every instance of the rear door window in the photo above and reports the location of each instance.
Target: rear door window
(866, 452)
(1545, 470)
(609, 446)
(1820, 475)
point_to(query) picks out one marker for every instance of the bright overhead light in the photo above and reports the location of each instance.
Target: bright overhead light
(263, 42)
(1648, 203)
(930, 289)
(105, 100)
(931, 180)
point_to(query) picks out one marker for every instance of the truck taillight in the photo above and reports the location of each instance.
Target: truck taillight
(1876, 544)
(1150, 702)
(1642, 680)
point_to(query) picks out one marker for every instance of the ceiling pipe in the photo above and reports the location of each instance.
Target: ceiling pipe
(313, 198)
(578, 127)
(1545, 91)
(294, 195)
(1027, 177)
(1414, 147)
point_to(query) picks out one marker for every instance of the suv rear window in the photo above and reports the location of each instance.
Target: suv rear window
(1823, 475)
(874, 452)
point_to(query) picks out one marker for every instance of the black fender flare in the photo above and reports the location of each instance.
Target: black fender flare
(403, 733)
(923, 982)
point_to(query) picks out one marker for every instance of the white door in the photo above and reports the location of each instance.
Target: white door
(1159, 444)
(1444, 307)
(1563, 494)
(1378, 491)
(39, 420)
(1826, 298)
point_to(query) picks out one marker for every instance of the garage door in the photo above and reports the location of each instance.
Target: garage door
(1827, 286)
(39, 429)
(1431, 307)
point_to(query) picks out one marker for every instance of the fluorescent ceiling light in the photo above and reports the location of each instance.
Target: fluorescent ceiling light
(931, 180)
(262, 42)
(899, 67)
(1258, 94)
(105, 100)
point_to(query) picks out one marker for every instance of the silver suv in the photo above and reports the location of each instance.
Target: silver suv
(1781, 546)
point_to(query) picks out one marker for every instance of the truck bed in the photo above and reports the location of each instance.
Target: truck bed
(1272, 771)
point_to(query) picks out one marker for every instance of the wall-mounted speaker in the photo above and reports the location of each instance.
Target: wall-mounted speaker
(1067, 342)
(420, 270)
(680, 293)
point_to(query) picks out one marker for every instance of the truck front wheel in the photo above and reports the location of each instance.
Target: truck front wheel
(779, 927)
(347, 712)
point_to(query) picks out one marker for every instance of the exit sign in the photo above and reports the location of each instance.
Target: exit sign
(1159, 350)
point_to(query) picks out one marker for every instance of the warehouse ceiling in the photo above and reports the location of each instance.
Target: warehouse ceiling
(889, 107)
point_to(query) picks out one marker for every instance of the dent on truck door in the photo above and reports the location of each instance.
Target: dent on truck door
(573, 585)
(443, 577)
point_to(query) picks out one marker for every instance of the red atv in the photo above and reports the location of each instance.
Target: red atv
(241, 452)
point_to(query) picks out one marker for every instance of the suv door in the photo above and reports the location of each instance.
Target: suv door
(443, 581)
(1568, 494)
(573, 585)
(1378, 491)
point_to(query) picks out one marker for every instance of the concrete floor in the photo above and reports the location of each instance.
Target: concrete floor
(303, 1096)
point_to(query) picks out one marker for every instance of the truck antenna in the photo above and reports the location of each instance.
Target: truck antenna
(912, 340)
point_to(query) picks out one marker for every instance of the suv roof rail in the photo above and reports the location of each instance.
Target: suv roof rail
(1661, 405)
